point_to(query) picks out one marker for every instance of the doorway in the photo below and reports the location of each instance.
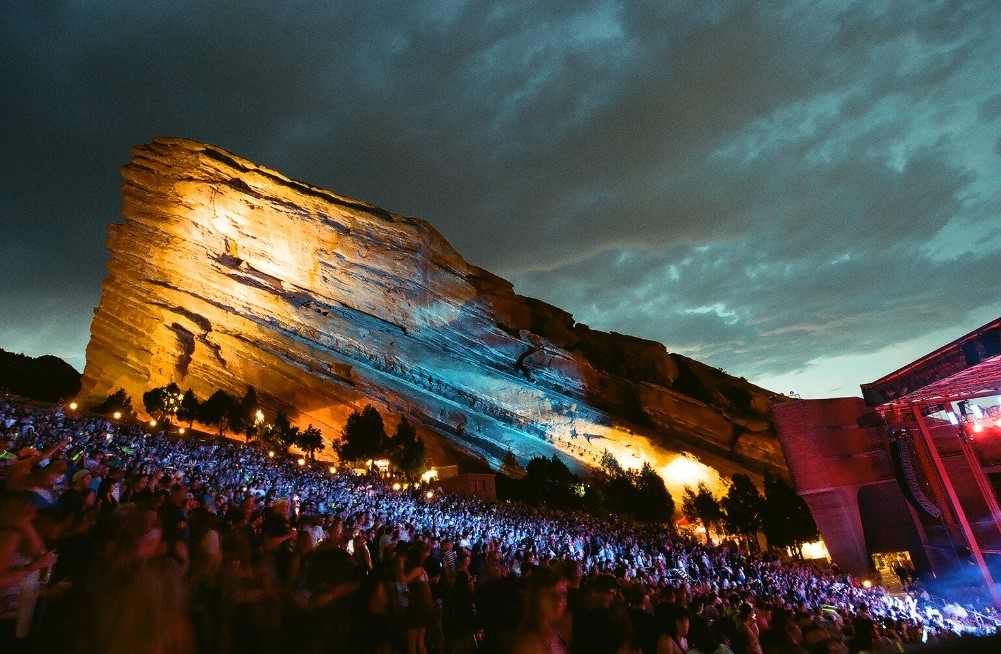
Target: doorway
(895, 570)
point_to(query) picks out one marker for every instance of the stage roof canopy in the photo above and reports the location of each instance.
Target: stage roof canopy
(967, 368)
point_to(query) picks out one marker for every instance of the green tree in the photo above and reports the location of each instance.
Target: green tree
(653, 502)
(163, 402)
(119, 401)
(363, 437)
(701, 506)
(408, 453)
(189, 409)
(743, 507)
(217, 410)
(787, 521)
(311, 441)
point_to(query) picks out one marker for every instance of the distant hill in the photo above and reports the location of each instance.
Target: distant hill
(45, 378)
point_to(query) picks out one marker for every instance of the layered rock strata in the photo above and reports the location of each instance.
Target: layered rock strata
(226, 274)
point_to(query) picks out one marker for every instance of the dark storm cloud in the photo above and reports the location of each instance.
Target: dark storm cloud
(759, 184)
(830, 219)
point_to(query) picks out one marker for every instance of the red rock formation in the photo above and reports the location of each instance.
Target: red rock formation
(226, 274)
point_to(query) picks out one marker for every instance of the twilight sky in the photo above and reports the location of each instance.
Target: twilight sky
(804, 194)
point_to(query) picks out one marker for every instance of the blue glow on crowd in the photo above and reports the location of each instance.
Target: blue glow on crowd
(117, 538)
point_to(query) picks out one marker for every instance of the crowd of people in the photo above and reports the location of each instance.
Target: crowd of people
(117, 539)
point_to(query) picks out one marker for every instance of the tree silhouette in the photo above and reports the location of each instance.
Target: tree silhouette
(283, 432)
(610, 465)
(787, 521)
(311, 441)
(189, 409)
(117, 401)
(550, 482)
(162, 402)
(700, 506)
(742, 508)
(617, 488)
(511, 468)
(408, 453)
(363, 437)
(244, 415)
(267, 434)
(653, 502)
(217, 410)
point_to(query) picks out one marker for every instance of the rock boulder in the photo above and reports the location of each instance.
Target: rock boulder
(226, 274)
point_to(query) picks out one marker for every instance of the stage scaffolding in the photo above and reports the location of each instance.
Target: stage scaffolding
(950, 400)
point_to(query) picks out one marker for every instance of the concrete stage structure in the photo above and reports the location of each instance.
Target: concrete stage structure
(907, 477)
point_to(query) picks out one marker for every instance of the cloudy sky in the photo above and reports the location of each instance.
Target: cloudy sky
(805, 194)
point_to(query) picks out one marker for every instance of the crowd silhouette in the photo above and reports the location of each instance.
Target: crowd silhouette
(115, 538)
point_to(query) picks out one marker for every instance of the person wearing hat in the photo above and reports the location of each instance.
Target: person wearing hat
(72, 498)
(81, 479)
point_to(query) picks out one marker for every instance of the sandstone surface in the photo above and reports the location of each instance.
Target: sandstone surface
(226, 274)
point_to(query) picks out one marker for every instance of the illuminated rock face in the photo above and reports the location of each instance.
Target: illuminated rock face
(225, 274)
